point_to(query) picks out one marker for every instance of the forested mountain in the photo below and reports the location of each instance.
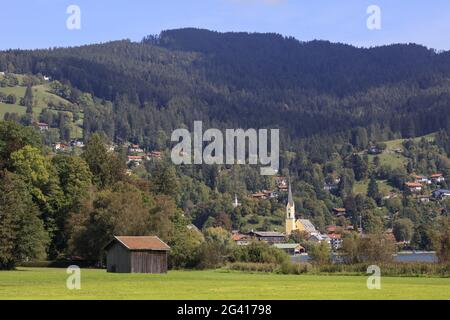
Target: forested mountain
(357, 127)
(250, 80)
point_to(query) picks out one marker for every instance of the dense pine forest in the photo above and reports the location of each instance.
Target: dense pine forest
(356, 126)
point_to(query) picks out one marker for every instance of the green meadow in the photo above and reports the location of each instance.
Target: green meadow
(41, 94)
(50, 283)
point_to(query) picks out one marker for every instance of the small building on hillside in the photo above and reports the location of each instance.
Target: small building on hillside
(441, 194)
(374, 150)
(135, 159)
(59, 146)
(414, 186)
(338, 212)
(267, 236)
(421, 179)
(41, 125)
(290, 248)
(437, 177)
(335, 240)
(128, 254)
(135, 148)
(156, 154)
(241, 239)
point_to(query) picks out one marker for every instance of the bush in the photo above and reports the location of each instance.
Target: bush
(259, 252)
(320, 253)
(392, 269)
(286, 267)
(253, 266)
(443, 243)
(372, 248)
(289, 267)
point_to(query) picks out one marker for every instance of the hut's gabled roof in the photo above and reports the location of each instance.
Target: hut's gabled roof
(140, 243)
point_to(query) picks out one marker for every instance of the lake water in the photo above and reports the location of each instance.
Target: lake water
(407, 256)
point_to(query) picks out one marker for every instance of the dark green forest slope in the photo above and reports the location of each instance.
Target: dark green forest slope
(250, 80)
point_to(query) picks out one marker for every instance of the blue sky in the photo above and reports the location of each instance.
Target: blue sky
(42, 23)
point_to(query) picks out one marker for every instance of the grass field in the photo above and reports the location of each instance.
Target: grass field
(41, 94)
(49, 283)
(361, 186)
(42, 97)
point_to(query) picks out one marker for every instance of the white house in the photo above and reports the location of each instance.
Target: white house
(437, 178)
(135, 148)
(414, 186)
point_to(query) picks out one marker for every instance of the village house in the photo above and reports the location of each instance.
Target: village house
(240, 239)
(258, 195)
(135, 148)
(332, 229)
(441, 194)
(373, 150)
(129, 254)
(265, 194)
(423, 198)
(330, 186)
(390, 195)
(155, 154)
(421, 179)
(331, 182)
(336, 233)
(318, 237)
(59, 146)
(111, 147)
(135, 159)
(267, 236)
(41, 125)
(338, 212)
(281, 184)
(270, 194)
(414, 186)
(335, 238)
(77, 143)
(290, 248)
(437, 178)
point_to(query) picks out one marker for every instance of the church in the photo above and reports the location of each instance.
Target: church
(292, 223)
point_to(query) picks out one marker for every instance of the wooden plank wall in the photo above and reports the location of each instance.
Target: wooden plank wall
(149, 261)
(118, 259)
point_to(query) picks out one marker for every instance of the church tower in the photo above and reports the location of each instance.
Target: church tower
(290, 213)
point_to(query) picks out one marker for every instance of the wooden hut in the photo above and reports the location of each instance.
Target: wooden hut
(126, 254)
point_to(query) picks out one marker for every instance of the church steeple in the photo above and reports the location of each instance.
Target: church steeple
(290, 212)
(290, 201)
